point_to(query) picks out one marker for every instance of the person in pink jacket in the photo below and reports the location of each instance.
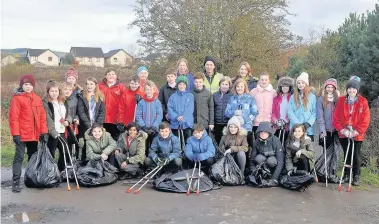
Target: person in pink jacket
(264, 95)
(280, 106)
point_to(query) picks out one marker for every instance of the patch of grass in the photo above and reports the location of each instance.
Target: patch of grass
(7, 154)
(369, 179)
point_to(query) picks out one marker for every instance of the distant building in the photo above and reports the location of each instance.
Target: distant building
(91, 56)
(42, 56)
(118, 57)
(8, 60)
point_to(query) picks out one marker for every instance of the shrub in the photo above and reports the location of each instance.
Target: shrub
(370, 149)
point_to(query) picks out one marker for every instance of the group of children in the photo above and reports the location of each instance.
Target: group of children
(141, 127)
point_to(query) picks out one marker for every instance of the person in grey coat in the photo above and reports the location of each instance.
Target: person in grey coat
(204, 106)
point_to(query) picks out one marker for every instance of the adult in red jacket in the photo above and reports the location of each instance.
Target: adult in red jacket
(351, 119)
(27, 121)
(113, 90)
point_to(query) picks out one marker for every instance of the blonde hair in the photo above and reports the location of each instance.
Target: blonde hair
(98, 95)
(238, 81)
(225, 79)
(67, 84)
(265, 74)
(53, 84)
(248, 67)
(180, 61)
(151, 84)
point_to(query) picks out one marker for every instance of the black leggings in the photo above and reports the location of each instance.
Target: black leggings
(53, 144)
(357, 158)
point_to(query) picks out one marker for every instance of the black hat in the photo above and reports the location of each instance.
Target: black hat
(353, 84)
(209, 58)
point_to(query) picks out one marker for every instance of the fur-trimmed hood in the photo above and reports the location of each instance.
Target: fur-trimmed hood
(241, 131)
(285, 81)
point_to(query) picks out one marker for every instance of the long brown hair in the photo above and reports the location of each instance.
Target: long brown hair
(291, 139)
(324, 95)
(98, 95)
(50, 84)
(238, 81)
(248, 68)
(304, 99)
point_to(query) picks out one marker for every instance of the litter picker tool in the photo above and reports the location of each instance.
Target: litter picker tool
(147, 177)
(190, 181)
(348, 166)
(326, 165)
(198, 180)
(67, 167)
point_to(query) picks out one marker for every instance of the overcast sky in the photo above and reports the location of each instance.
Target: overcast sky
(58, 25)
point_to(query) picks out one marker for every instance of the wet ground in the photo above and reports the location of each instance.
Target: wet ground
(110, 204)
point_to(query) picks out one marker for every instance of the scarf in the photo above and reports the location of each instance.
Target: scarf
(330, 97)
(92, 109)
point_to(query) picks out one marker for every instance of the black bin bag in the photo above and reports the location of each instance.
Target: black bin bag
(97, 173)
(297, 181)
(331, 160)
(226, 172)
(42, 170)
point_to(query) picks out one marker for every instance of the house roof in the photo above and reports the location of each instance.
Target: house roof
(95, 52)
(3, 55)
(38, 52)
(113, 52)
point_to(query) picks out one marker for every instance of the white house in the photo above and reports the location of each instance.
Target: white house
(42, 56)
(92, 56)
(7, 60)
(118, 57)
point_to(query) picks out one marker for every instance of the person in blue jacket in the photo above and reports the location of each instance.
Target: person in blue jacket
(302, 105)
(165, 150)
(149, 113)
(180, 109)
(241, 104)
(200, 148)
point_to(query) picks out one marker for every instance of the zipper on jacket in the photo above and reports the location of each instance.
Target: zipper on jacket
(34, 117)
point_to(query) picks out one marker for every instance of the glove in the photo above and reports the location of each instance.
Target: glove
(17, 139)
(121, 127)
(292, 171)
(272, 183)
(166, 161)
(43, 138)
(227, 152)
(306, 125)
(238, 113)
(104, 157)
(345, 132)
(158, 161)
(137, 97)
(322, 135)
(298, 153)
(353, 134)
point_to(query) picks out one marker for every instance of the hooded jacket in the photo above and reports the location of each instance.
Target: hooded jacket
(306, 149)
(165, 147)
(49, 108)
(245, 103)
(287, 81)
(95, 148)
(203, 148)
(204, 107)
(220, 101)
(325, 115)
(112, 98)
(268, 147)
(27, 116)
(360, 118)
(164, 94)
(264, 98)
(149, 113)
(127, 106)
(300, 115)
(83, 112)
(236, 143)
(181, 104)
(135, 151)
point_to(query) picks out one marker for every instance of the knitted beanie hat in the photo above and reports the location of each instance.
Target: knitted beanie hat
(28, 78)
(303, 77)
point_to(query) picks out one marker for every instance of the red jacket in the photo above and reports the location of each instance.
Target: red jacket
(276, 110)
(360, 119)
(127, 106)
(27, 116)
(112, 99)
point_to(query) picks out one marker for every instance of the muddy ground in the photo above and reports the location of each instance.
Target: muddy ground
(110, 204)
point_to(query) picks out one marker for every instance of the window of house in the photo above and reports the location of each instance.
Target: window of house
(89, 59)
(115, 59)
(50, 58)
(98, 60)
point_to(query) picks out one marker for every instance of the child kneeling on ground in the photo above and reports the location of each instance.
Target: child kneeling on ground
(299, 151)
(100, 144)
(234, 141)
(200, 148)
(267, 150)
(130, 151)
(165, 149)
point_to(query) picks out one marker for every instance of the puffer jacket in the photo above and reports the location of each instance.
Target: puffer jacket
(220, 101)
(95, 148)
(112, 100)
(181, 104)
(72, 104)
(164, 94)
(325, 115)
(245, 103)
(149, 113)
(252, 82)
(204, 107)
(165, 147)
(27, 116)
(236, 143)
(49, 108)
(83, 112)
(360, 119)
(264, 98)
(276, 110)
(301, 115)
(203, 148)
(127, 106)
(306, 150)
(135, 150)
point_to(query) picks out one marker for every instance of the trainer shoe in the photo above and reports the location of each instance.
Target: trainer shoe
(356, 180)
(16, 186)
